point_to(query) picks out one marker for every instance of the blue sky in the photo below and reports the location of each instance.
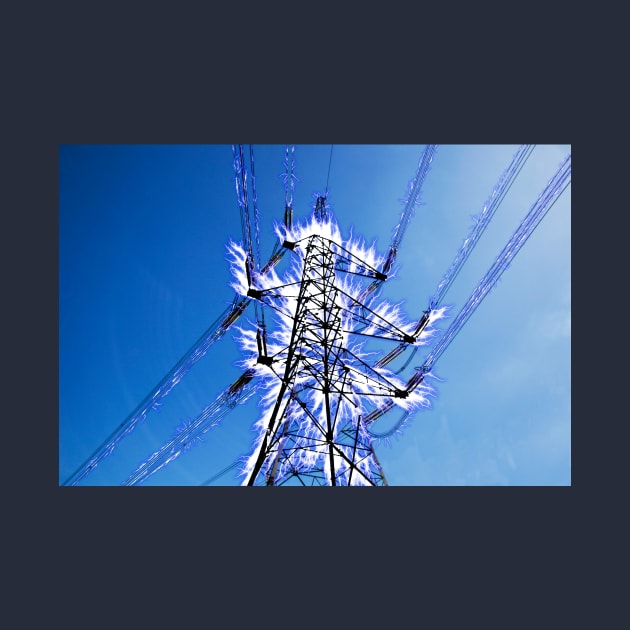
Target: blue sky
(143, 272)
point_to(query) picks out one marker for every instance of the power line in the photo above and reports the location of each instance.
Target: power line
(328, 177)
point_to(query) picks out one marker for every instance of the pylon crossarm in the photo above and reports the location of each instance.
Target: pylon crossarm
(373, 377)
(344, 260)
(359, 313)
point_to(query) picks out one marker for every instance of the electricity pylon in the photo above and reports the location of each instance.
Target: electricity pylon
(316, 430)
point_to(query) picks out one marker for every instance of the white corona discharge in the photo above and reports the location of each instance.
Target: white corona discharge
(322, 387)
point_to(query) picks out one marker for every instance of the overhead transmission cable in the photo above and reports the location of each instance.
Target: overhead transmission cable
(198, 350)
(220, 474)
(499, 192)
(411, 200)
(240, 391)
(289, 180)
(190, 434)
(554, 188)
(552, 191)
(256, 250)
(235, 394)
(482, 221)
(328, 177)
(414, 190)
(154, 399)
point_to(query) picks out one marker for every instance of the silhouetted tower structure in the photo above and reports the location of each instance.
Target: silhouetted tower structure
(325, 441)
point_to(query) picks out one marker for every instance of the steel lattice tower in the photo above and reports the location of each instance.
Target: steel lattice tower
(325, 440)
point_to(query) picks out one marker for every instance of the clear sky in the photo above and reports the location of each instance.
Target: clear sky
(143, 273)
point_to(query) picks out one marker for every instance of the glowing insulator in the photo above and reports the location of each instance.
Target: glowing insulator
(414, 381)
(390, 356)
(422, 324)
(288, 217)
(377, 413)
(389, 261)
